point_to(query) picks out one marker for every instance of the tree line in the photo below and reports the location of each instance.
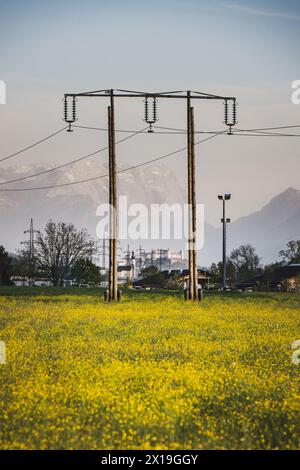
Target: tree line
(60, 252)
(63, 252)
(244, 263)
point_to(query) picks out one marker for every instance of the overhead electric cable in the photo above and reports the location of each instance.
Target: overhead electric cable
(120, 171)
(33, 145)
(71, 162)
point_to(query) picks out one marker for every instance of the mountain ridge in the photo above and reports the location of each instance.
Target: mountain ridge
(268, 229)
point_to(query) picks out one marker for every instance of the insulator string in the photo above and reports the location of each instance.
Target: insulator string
(150, 117)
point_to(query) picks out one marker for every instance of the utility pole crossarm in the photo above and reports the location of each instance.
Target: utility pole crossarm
(141, 94)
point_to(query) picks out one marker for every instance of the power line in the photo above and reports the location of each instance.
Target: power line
(69, 163)
(236, 129)
(102, 129)
(133, 167)
(173, 129)
(176, 131)
(172, 153)
(270, 134)
(261, 131)
(270, 128)
(33, 145)
(238, 132)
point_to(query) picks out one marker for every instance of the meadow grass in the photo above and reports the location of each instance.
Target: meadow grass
(152, 372)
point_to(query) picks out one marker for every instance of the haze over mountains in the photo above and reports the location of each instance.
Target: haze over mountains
(268, 229)
(272, 227)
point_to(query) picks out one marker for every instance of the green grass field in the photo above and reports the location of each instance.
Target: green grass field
(152, 372)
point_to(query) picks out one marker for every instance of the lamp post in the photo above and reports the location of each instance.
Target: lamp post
(224, 221)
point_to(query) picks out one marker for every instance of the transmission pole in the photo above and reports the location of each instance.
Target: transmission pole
(150, 115)
(30, 244)
(113, 222)
(141, 256)
(193, 275)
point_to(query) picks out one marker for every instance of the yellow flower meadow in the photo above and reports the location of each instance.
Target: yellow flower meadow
(152, 372)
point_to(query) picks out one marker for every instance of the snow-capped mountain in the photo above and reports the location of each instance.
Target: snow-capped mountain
(268, 229)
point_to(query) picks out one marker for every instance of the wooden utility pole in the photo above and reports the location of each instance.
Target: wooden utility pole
(193, 275)
(194, 209)
(70, 117)
(113, 203)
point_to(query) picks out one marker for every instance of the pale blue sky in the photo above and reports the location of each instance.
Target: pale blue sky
(72, 42)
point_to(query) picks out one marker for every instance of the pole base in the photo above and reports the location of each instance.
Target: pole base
(107, 296)
(199, 297)
(186, 294)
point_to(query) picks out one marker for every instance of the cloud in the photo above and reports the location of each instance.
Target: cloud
(258, 12)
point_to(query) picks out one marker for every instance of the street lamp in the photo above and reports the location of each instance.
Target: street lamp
(224, 221)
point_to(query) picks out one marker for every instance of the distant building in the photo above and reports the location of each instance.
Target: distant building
(181, 275)
(281, 279)
(163, 259)
(127, 269)
(21, 281)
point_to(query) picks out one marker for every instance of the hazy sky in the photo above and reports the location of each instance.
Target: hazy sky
(248, 49)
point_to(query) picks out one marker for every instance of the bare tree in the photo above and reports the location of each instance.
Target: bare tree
(58, 249)
(5, 266)
(245, 261)
(292, 252)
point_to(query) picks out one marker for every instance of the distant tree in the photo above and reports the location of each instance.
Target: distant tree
(173, 283)
(86, 272)
(155, 277)
(231, 272)
(59, 248)
(25, 265)
(149, 271)
(216, 273)
(268, 270)
(18, 265)
(158, 279)
(5, 266)
(245, 261)
(292, 252)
